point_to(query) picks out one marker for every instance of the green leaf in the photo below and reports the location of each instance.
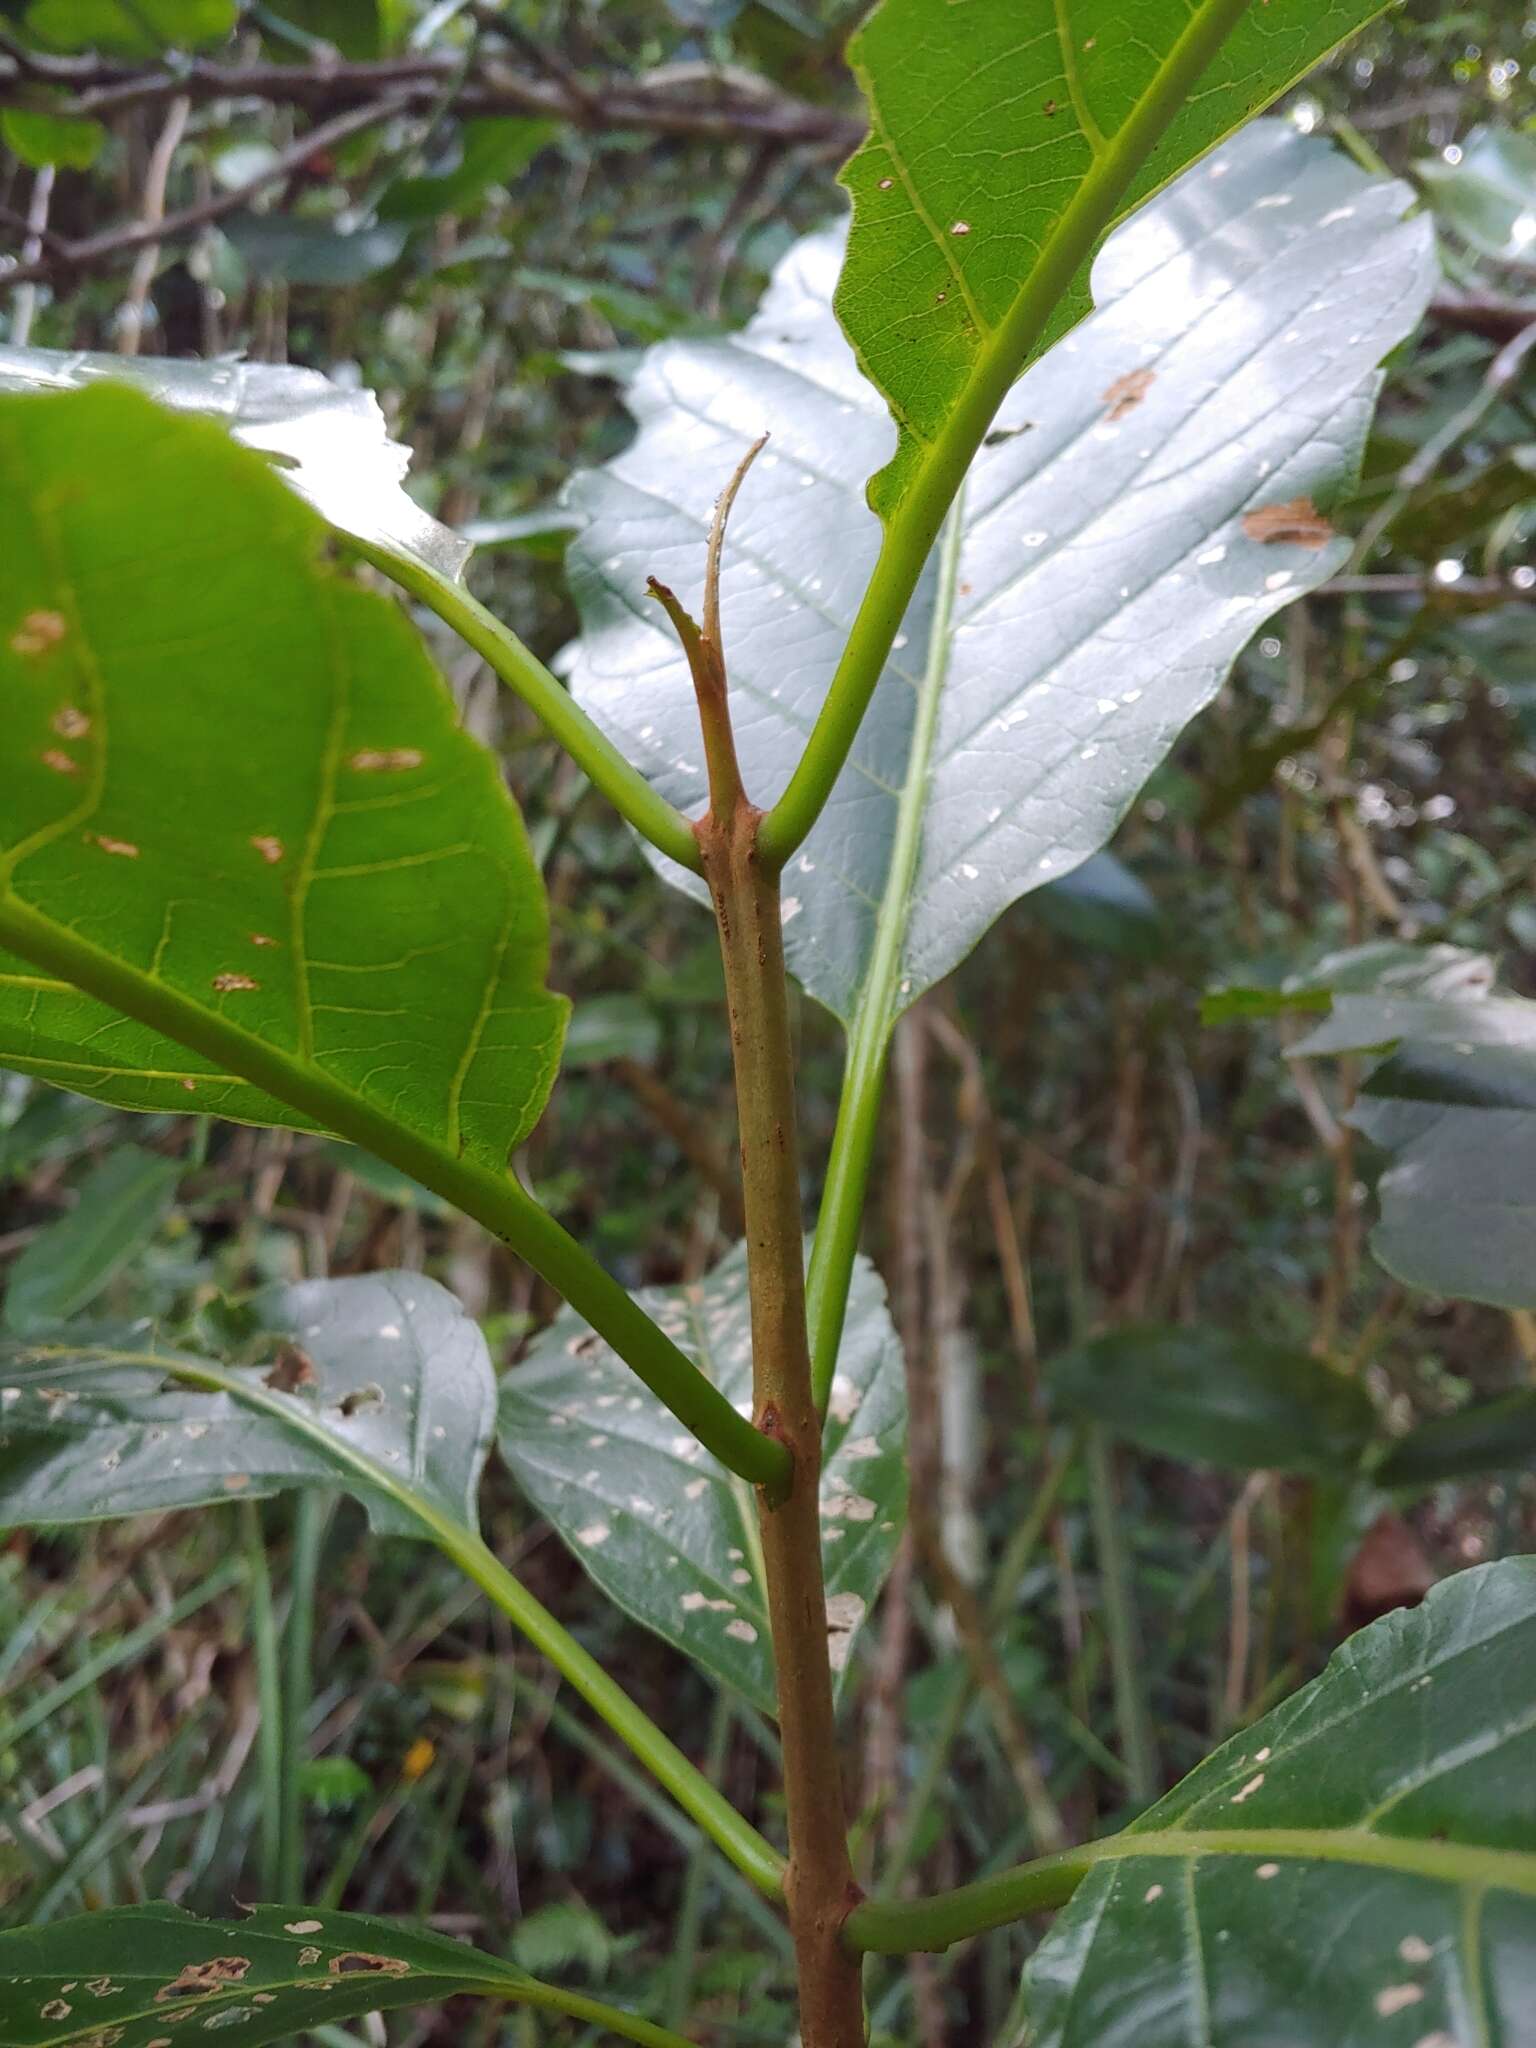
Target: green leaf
(1486, 1436)
(1489, 194)
(1233, 1401)
(992, 131)
(1356, 1866)
(1103, 581)
(132, 1974)
(1104, 906)
(1458, 1202)
(304, 251)
(668, 1534)
(491, 155)
(1455, 1106)
(329, 442)
(60, 139)
(237, 791)
(383, 1375)
(121, 1206)
(351, 26)
(619, 1027)
(129, 28)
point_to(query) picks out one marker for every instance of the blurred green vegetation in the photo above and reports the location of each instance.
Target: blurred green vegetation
(1072, 1146)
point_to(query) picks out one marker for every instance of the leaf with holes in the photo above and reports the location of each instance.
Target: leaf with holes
(380, 1385)
(1105, 575)
(328, 441)
(665, 1531)
(1241, 1403)
(118, 1211)
(132, 1975)
(1003, 142)
(1356, 1866)
(237, 801)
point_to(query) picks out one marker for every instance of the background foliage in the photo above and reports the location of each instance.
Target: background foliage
(1094, 1127)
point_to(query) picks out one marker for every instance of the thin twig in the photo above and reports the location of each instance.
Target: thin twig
(96, 250)
(131, 316)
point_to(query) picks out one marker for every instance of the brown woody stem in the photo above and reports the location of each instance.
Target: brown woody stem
(819, 1887)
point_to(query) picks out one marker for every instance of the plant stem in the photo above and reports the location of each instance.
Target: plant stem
(550, 702)
(311, 1513)
(690, 1916)
(491, 1196)
(819, 1885)
(269, 1696)
(899, 1927)
(915, 523)
(1137, 1741)
(734, 1836)
(874, 1017)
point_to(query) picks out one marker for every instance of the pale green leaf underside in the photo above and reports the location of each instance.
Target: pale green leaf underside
(1356, 1868)
(94, 1427)
(330, 441)
(235, 774)
(135, 1974)
(666, 1532)
(985, 123)
(1105, 580)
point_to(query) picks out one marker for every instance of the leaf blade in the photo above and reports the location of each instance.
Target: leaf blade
(976, 213)
(666, 1533)
(385, 1374)
(1398, 1762)
(132, 1971)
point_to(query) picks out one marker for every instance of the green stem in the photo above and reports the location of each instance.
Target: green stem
(550, 702)
(690, 1916)
(735, 1837)
(937, 479)
(878, 1006)
(899, 1927)
(1137, 1741)
(269, 1701)
(493, 1198)
(312, 1512)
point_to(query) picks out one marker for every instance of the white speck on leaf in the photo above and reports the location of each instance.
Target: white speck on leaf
(1397, 1998)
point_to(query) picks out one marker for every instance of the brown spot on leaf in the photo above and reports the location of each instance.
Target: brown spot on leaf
(70, 724)
(308, 1957)
(357, 1962)
(123, 848)
(189, 1084)
(234, 984)
(60, 762)
(1127, 392)
(960, 227)
(292, 1369)
(102, 1987)
(56, 2009)
(262, 939)
(386, 760)
(1297, 520)
(198, 1979)
(270, 849)
(38, 632)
